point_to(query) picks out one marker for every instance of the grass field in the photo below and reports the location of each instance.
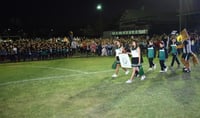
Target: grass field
(83, 88)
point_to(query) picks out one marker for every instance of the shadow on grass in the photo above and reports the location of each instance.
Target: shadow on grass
(106, 93)
(184, 91)
(103, 96)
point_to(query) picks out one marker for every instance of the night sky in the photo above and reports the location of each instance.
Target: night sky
(65, 13)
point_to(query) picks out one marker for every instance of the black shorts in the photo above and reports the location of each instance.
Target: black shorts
(117, 60)
(135, 62)
(186, 56)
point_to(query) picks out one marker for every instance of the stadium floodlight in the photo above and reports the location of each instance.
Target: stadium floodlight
(99, 7)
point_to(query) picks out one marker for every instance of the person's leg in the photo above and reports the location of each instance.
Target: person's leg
(165, 67)
(162, 65)
(126, 71)
(177, 60)
(183, 61)
(173, 59)
(133, 73)
(117, 69)
(141, 72)
(151, 64)
(149, 59)
(187, 63)
(132, 76)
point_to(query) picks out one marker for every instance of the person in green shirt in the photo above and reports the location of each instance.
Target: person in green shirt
(151, 54)
(162, 55)
(174, 53)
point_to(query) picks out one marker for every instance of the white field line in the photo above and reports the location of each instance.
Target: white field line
(36, 79)
(55, 68)
(54, 77)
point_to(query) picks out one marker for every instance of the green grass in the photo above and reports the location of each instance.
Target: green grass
(83, 88)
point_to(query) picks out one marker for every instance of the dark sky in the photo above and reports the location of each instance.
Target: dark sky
(52, 13)
(58, 12)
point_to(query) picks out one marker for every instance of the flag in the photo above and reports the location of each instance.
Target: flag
(184, 35)
(195, 59)
(66, 40)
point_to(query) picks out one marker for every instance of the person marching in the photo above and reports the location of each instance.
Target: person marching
(136, 61)
(174, 53)
(187, 52)
(151, 54)
(119, 49)
(162, 55)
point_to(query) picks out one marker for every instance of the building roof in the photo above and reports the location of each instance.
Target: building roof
(143, 15)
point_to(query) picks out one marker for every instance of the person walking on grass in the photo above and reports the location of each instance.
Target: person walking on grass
(136, 62)
(119, 49)
(174, 53)
(151, 54)
(187, 53)
(162, 55)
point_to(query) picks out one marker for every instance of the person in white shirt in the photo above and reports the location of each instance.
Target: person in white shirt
(187, 53)
(136, 61)
(119, 49)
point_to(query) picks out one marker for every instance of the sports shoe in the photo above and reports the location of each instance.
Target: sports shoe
(150, 69)
(114, 75)
(143, 77)
(187, 70)
(129, 81)
(138, 75)
(166, 69)
(184, 69)
(162, 71)
(127, 72)
(154, 67)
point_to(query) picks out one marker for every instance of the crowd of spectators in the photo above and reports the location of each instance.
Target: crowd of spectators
(54, 48)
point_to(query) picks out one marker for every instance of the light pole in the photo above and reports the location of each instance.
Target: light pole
(99, 26)
(180, 15)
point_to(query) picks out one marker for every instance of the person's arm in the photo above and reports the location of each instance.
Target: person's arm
(166, 54)
(154, 49)
(138, 49)
(123, 50)
(159, 53)
(147, 51)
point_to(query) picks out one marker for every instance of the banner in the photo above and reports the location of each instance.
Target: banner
(125, 61)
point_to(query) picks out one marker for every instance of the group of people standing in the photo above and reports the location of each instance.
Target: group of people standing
(165, 47)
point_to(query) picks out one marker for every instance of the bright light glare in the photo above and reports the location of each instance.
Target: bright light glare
(99, 7)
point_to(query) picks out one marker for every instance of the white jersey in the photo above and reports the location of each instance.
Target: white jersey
(118, 51)
(135, 53)
(187, 47)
